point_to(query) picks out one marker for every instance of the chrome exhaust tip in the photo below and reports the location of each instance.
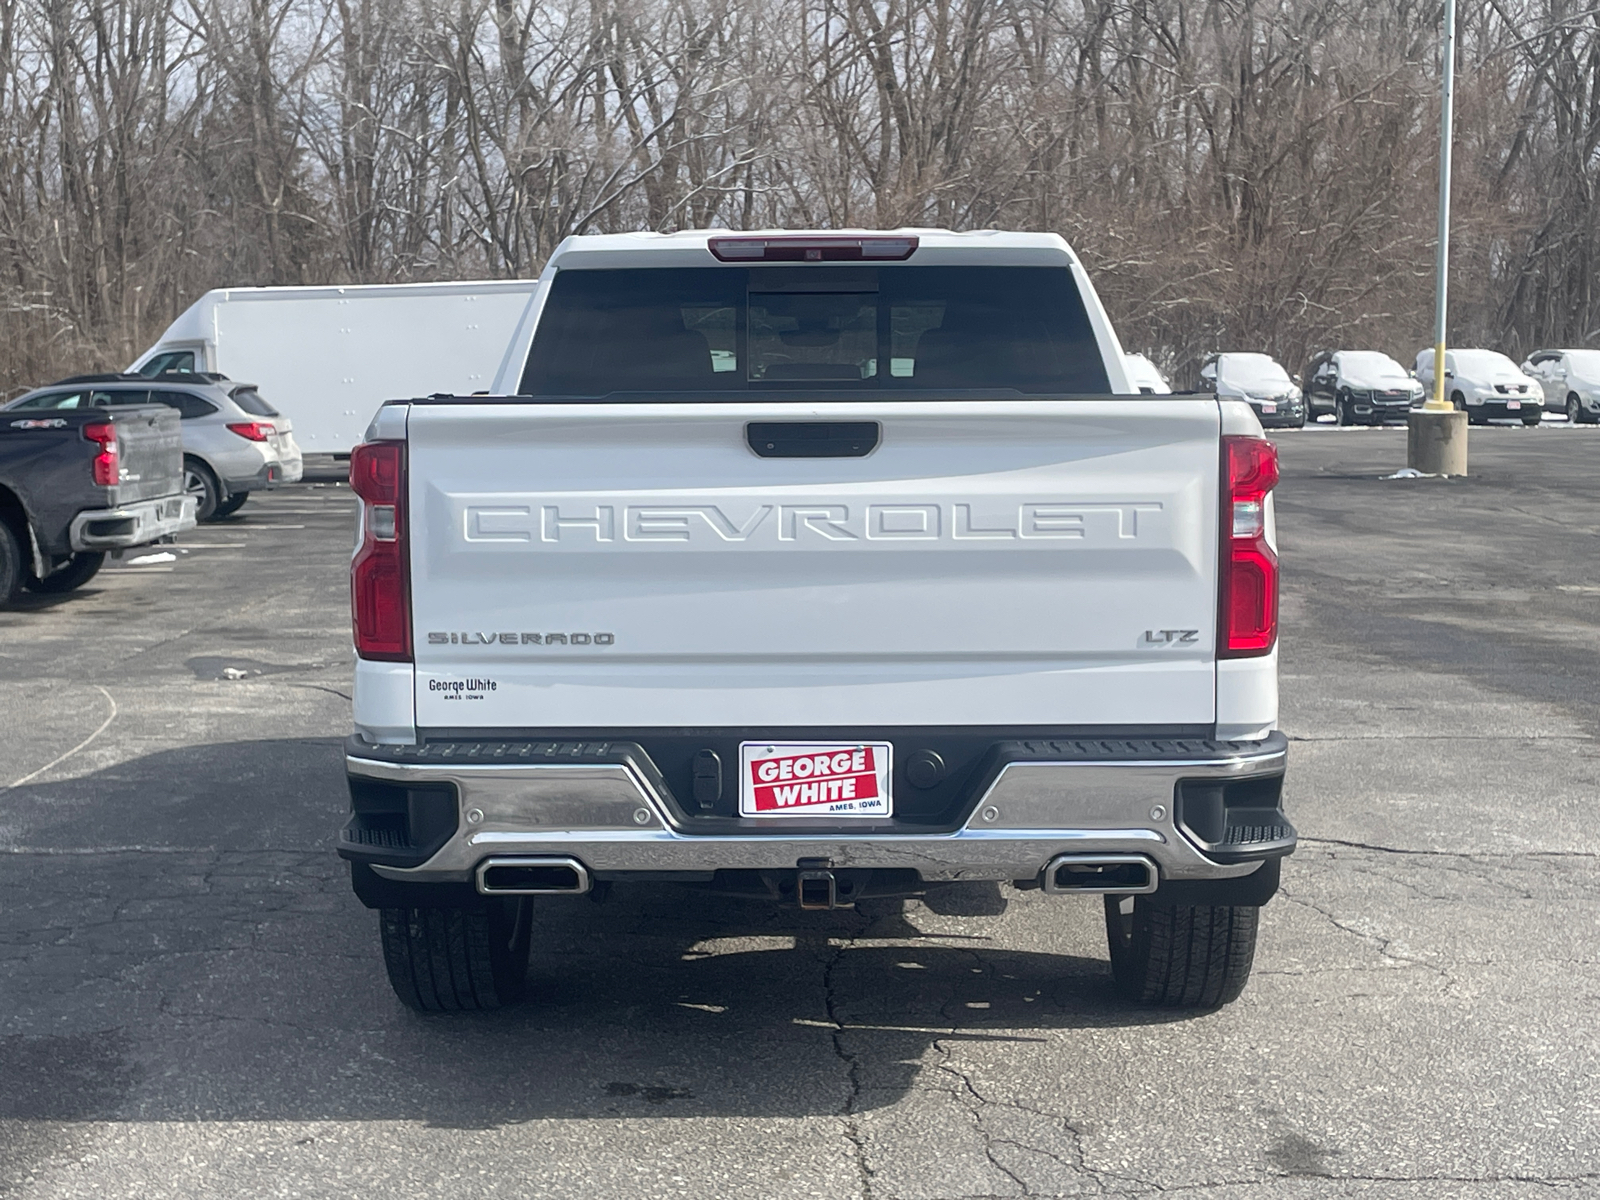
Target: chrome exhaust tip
(1101, 875)
(541, 876)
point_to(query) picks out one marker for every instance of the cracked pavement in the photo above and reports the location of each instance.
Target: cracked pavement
(192, 1003)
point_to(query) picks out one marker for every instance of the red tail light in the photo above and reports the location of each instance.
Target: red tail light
(380, 575)
(255, 431)
(1249, 566)
(107, 464)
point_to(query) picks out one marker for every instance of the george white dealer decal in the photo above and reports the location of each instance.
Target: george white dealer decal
(578, 523)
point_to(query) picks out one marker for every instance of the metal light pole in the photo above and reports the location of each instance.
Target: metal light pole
(1437, 443)
(1442, 270)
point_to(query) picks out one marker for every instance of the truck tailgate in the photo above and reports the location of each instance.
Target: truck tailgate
(1024, 562)
(150, 446)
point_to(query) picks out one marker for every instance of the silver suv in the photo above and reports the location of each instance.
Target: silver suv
(234, 442)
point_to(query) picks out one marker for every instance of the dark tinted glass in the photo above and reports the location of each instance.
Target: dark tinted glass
(250, 400)
(187, 403)
(122, 396)
(174, 362)
(754, 329)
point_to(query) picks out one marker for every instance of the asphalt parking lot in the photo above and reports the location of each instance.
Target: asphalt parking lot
(193, 1004)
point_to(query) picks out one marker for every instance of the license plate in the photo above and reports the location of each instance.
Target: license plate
(1513, 403)
(1269, 407)
(814, 779)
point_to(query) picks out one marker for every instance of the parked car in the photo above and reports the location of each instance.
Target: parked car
(1143, 375)
(328, 356)
(1260, 382)
(852, 537)
(234, 442)
(1570, 381)
(1361, 387)
(1486, 385)
(76, 483)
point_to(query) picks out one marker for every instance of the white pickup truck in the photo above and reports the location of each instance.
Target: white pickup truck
(815, 567)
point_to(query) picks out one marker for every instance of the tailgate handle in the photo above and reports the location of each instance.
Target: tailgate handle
(812, 439)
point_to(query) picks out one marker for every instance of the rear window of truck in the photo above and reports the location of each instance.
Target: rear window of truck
(752, 329)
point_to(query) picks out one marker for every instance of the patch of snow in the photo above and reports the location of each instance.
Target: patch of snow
(1411, 473)
(146, 560)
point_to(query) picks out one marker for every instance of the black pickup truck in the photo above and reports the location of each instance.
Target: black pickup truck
(78, 483)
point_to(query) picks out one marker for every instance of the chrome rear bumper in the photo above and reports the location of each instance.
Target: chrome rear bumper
(613, 819)
(135, 524)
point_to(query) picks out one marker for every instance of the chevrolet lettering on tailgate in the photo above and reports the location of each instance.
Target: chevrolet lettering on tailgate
(583, 522)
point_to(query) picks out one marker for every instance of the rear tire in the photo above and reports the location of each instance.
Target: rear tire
(12, 570)
(199, 482)
(82, 568)
(231, 505)
(1180, 955)
(457, 959)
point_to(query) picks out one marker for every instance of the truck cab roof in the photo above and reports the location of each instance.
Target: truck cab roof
(694, 247)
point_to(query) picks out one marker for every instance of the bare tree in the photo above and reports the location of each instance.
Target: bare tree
(1237, 173)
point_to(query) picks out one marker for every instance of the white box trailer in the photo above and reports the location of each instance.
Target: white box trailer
(327, 357)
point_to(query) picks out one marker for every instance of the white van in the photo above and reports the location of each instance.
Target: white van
(329, 356)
